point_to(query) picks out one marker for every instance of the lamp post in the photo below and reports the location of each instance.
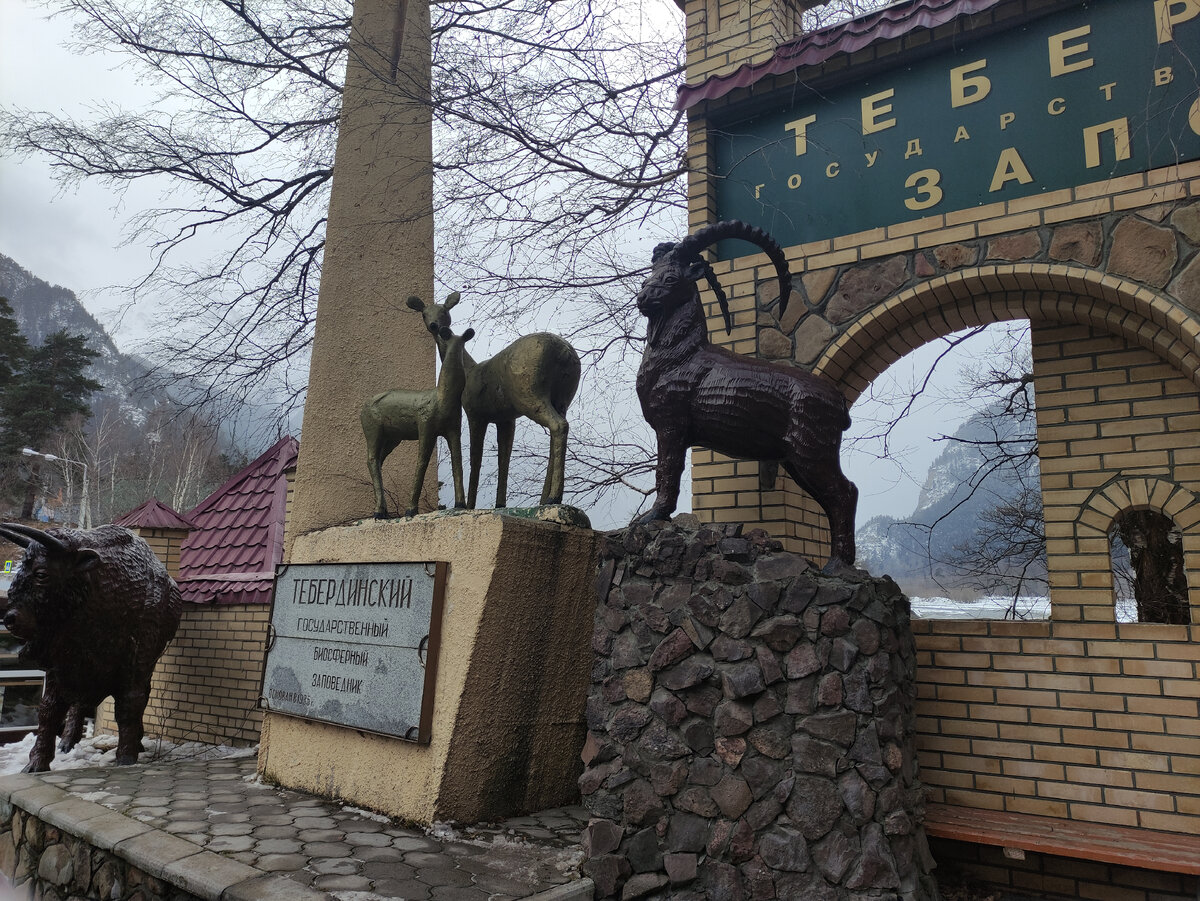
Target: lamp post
(85, 515)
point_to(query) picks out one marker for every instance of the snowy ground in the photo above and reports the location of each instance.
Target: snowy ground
(984, 608)
(1026, 608)
(101, 751)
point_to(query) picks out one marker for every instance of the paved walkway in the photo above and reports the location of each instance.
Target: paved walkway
(219, 807)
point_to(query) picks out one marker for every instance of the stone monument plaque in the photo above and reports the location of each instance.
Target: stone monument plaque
(356, 644)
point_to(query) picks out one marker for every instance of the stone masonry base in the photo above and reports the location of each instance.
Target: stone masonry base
(751, 726)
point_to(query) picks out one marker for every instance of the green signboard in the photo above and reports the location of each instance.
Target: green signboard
(1101, 90)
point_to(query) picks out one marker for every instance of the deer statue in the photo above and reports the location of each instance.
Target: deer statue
(535, 376)
(693, 393)
(403, 415)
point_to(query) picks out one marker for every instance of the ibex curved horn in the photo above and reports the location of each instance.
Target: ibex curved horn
(733, 228)
(14, 530)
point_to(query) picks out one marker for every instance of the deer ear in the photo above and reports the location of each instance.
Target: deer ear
(451, 300)
(415, 303)
(469, 334)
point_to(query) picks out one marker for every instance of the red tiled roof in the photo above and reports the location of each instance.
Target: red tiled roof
(230, 556)
(844, 37)
(153, 514)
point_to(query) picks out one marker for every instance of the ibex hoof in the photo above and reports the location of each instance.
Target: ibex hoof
(382, 516)
(652, 515)
(410, 512)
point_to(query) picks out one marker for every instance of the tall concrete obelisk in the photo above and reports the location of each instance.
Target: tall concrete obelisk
(378, 251)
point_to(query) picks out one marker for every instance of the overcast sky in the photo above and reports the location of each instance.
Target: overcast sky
(69, 238)
(74, 238)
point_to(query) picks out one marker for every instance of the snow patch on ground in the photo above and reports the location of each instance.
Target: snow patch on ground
(367, 814)
(101, 751)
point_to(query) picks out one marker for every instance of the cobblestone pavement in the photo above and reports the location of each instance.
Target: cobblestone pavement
(222, 807)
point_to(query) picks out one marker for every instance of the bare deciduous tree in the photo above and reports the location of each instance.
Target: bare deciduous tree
(559, 161)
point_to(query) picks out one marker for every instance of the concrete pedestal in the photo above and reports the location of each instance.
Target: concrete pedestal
(512, 676)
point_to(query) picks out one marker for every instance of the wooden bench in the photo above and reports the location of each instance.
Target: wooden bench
(1146, 849)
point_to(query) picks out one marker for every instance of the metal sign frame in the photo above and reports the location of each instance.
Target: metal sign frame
(420, 733)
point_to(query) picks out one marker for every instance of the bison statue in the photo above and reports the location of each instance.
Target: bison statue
(95, 609)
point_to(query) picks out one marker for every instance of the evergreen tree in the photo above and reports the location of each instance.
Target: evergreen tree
(14, 349)
(41, 396)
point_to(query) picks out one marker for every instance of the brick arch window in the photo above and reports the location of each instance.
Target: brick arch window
(1149, 580)
(1151, 528)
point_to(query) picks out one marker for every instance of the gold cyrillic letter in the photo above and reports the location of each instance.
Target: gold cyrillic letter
(1163, 76)
(1106, 89)
(832, 170)
(794, 181)
(961, 134)
(873, 108)
(928, 192)
(1059, 51)
(964, 90)
(800, 127)
(1091, 141)
(913, 148)
(871, 158)
(1006, 119)
(1056, 107)
(1010, 166)
(1169, 13)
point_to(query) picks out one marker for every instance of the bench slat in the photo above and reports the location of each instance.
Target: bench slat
(1144, 848)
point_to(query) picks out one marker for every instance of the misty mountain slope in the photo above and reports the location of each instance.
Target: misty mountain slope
(42, 309)
(960, 486)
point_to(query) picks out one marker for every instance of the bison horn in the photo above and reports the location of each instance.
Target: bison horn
(18, 540)
(13, 530)
(733, 228)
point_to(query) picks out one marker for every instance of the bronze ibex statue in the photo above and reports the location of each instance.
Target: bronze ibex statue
(536, 377)
(403, 415)
(693, 393)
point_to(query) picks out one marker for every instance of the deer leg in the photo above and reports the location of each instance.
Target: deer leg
(552, 490)
(477, 429)
(375, 455)
(51, 711)
(424, 451)
(455, 441)
(672, 449)
(504, 442)
(129, 708)
(838, 497)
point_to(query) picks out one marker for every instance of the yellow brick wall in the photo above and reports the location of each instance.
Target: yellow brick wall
(723, 35)
(1117, 429)
(165, 543)
(206, 684)
(1091, 721)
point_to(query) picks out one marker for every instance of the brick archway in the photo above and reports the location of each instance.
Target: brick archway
(986, 294)
(1098, 513)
